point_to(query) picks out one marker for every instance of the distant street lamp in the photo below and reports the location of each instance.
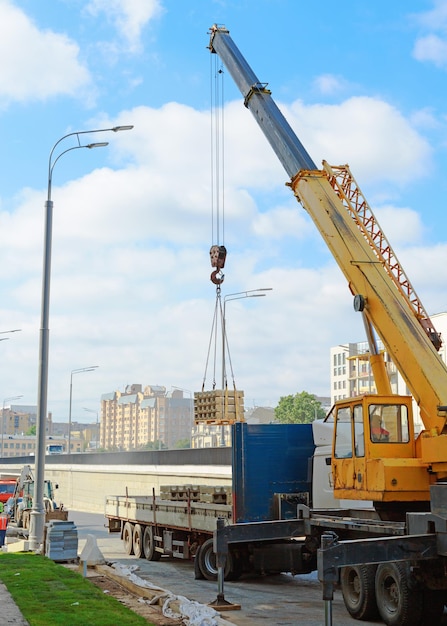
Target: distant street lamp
(251, 293)
(97, 426)
(6, 332)
(73, 372)
(36, 531)
(3, 413)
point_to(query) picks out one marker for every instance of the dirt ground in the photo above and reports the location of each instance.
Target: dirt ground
(151, 612)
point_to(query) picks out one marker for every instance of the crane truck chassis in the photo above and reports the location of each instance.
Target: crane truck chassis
(393, 566)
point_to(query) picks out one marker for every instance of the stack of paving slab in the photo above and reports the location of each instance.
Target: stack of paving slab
(61, 541)
(220, 406)
(197, 493)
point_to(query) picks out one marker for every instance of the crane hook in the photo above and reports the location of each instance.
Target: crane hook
(218, 254)
(217, 277)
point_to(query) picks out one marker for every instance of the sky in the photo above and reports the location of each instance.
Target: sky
(133, 222)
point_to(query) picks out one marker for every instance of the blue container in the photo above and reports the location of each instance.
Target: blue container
(269, 459)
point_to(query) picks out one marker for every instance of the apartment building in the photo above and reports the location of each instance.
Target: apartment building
(132, 419)
(351, 373)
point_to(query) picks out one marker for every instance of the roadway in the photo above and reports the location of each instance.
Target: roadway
(282, 600)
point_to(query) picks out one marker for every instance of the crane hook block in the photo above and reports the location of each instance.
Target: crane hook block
(218, 254)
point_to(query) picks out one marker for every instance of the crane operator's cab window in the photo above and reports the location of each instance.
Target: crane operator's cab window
(389, 423)
(359, 431)
(343, 439)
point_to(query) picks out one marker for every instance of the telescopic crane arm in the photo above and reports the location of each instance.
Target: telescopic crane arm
(335, 203)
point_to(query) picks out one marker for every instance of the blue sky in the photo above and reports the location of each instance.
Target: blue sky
(361, 83)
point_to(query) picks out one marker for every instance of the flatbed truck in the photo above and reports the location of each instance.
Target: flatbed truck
(273, 467)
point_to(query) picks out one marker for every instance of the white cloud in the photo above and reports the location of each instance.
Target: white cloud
(328, 84)
(129, 17)
(130, 287)
(377, 141)
(37, 64)
(431, 48)
(282, 222)
(434, 19)
(402, 226)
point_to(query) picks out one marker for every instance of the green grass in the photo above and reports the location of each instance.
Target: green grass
(49, 594)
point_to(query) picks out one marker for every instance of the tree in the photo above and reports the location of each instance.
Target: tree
(302, 408)
(31, 430)
(153, 445)
(182, 443)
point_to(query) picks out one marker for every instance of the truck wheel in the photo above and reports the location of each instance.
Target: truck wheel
(358, 589)
(399, 602)
(137, 540)
(207, 562)
(149, 550)
(128, 538)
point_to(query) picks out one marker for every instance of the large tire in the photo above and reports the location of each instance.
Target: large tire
(128, 538)
(138, 540)
(207, 562)
(358, 589)
(398, 600)
(149, 550)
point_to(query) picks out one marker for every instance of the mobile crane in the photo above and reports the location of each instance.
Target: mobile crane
(375, 455)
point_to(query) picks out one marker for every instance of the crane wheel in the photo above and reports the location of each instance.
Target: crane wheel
(399, 599)
(358, 589)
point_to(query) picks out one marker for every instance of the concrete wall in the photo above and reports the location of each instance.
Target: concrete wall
(83, 486)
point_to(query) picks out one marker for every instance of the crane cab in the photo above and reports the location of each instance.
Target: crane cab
(374, 451)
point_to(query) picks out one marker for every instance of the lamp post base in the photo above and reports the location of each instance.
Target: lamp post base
(37, 523)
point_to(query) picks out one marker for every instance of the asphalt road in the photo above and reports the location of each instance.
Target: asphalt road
(282, 600)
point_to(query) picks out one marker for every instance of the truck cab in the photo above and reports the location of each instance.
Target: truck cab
(374, 451)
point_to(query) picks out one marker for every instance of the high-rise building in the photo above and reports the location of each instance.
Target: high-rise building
(351, 373)
(137, 418)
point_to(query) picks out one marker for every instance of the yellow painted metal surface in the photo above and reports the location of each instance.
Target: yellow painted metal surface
(405, 339)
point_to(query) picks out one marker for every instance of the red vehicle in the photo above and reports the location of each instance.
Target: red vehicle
(7, 487)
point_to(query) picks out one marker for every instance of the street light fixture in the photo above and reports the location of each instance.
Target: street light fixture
(38, 510)
(97, 426)
(5, 332)
(251, 293)
(3, 413)
(91, 368)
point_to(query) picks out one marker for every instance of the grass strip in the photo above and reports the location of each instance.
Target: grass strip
(49, 594)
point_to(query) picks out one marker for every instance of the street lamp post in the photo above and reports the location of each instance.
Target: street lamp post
(97, 427)
(91, 368)
(3, 413)
(38, 510)
(251, 293)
